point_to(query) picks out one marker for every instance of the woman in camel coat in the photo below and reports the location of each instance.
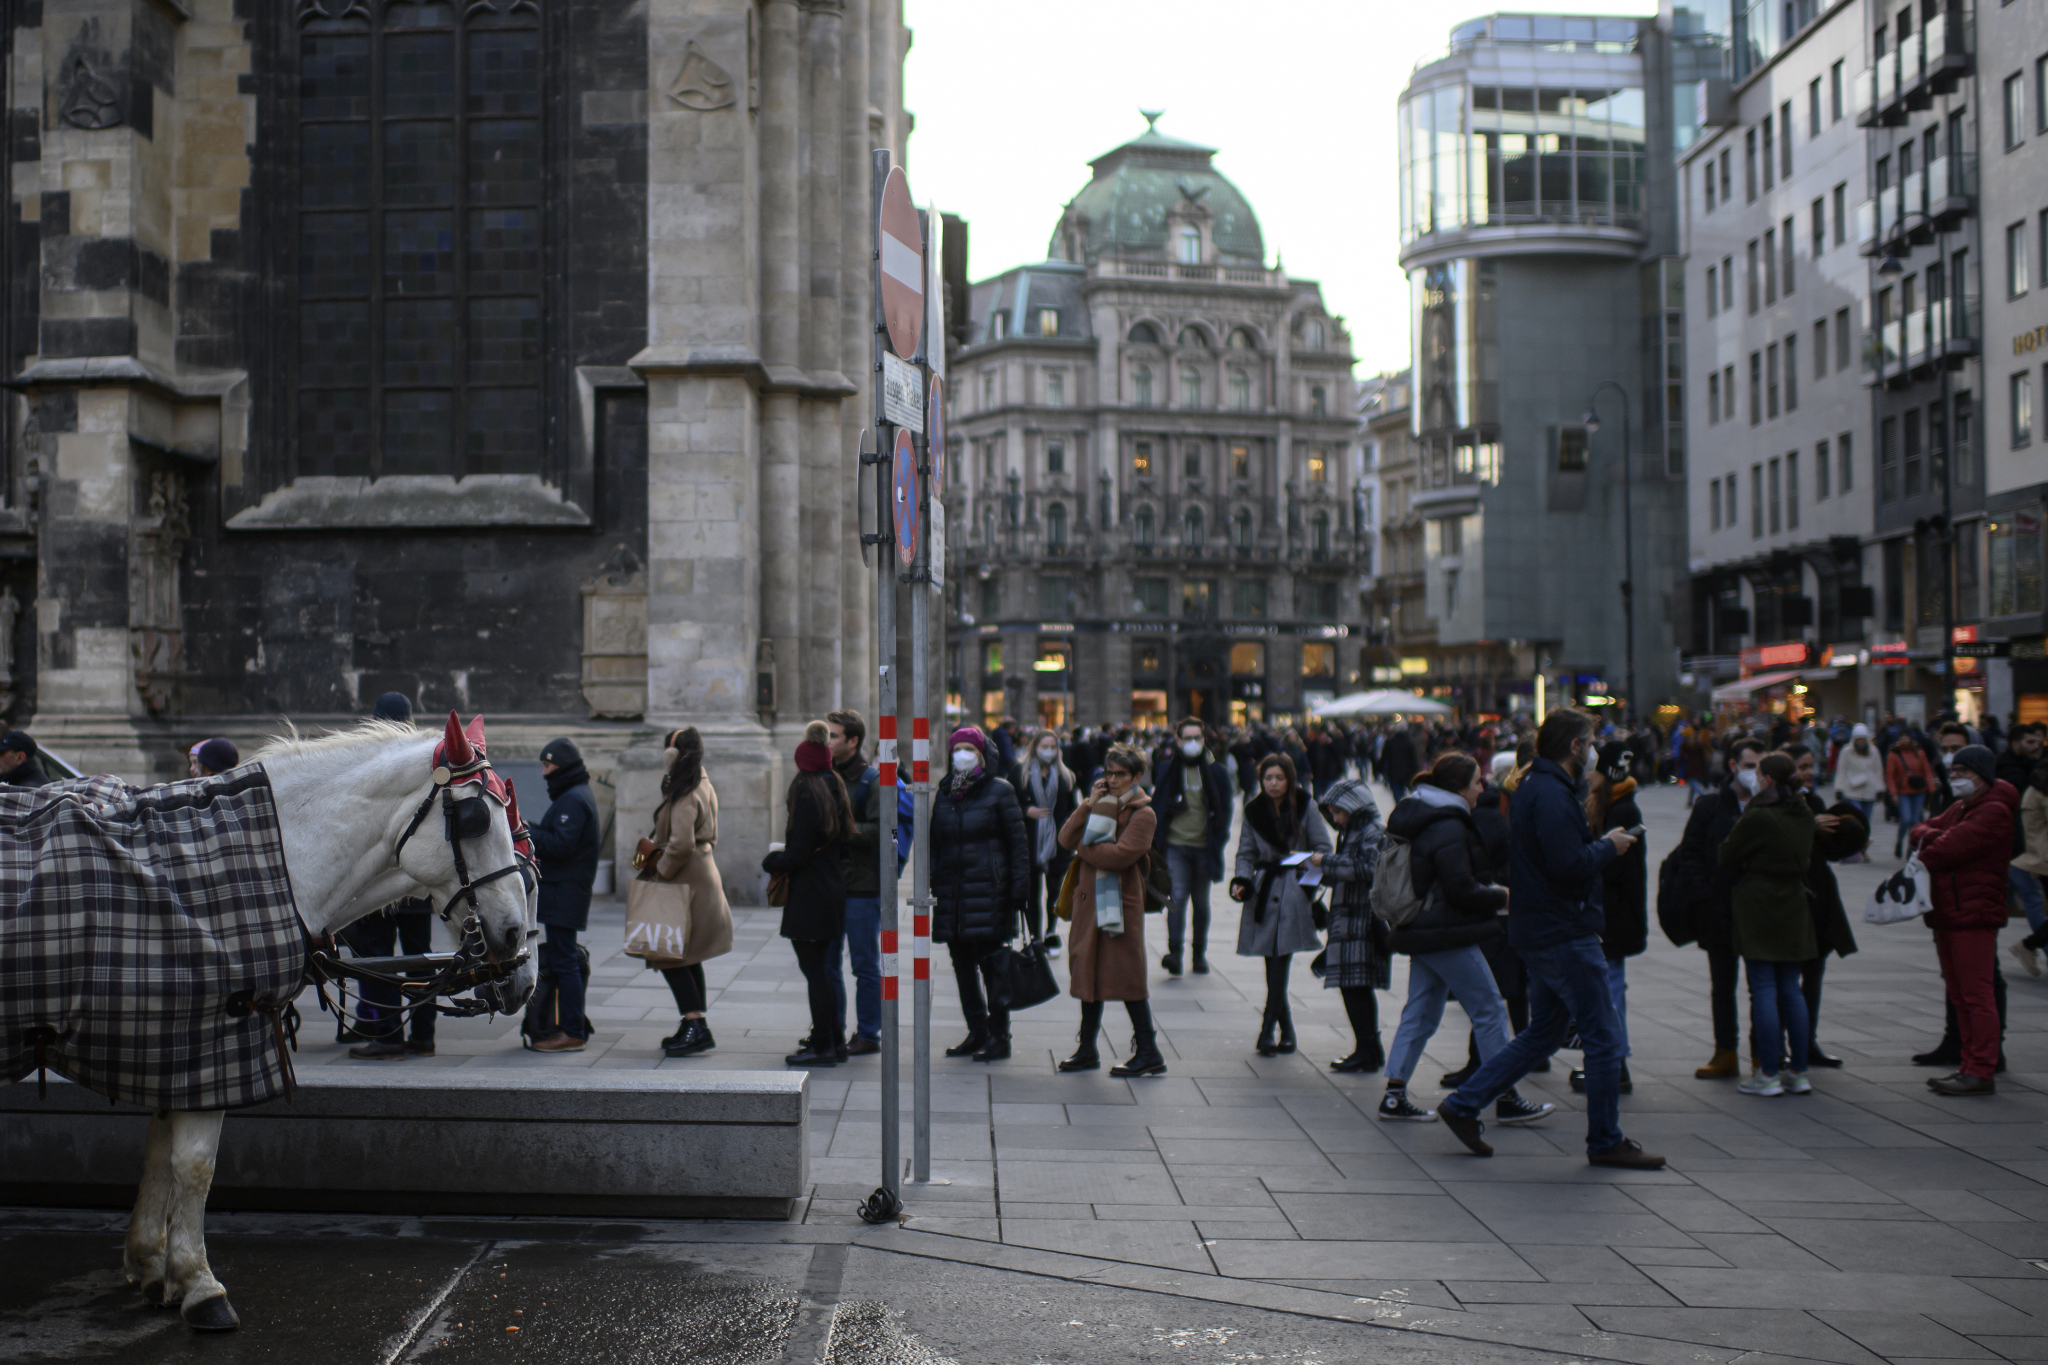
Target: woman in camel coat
(1104, 966)
(685, 832)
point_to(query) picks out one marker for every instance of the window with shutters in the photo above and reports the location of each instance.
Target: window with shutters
(418, 237)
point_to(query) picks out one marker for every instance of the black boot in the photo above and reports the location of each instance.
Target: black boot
(815, 1051)
(996, 1049)
(692, 1038)
(1266, 1046)
(1451, 1080)
(1365, 1059)
(974, 1042)
(1085, 1057)
(1145, 1058)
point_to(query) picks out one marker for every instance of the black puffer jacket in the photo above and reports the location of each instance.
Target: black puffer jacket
(981, 861)
(816, 907)
(1449, 859)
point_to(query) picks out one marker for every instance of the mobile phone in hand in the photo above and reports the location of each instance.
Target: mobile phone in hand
(1635, 832)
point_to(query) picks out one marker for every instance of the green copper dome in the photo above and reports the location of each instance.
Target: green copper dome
(1126, 204)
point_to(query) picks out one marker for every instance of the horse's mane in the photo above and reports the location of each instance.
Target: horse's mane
(292, 744)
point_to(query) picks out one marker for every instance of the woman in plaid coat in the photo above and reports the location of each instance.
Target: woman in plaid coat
(1356, 961)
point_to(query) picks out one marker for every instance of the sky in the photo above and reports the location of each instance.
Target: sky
(1013, 99)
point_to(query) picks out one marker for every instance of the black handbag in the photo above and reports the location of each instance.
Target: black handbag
(1678, 908)
(1027, 976)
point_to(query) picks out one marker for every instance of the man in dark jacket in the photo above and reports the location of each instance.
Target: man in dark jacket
(1712, 891)
(18, 764)
(565, 844)
(402, 926)
(1399, 762)
(1624, 899)
(1191, 797)
(845, 732)
(1554, 921)
(1966, 850)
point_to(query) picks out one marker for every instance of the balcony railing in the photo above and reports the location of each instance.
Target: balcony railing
(1961, 321)
(1863, 96)
(1951, 188)
(1913, 199)
(1944, 53)
(1866, 227)
(1918, 346)
(1885, 104)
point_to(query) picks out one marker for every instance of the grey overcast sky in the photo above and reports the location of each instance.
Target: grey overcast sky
(1013, 99)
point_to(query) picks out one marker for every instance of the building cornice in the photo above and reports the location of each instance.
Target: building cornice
(1524, 239)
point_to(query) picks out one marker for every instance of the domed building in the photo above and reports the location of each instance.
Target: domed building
(1152, 485)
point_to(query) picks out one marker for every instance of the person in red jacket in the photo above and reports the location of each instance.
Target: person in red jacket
(1965, 850)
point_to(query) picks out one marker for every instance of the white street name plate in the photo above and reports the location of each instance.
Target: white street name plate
(902, 393)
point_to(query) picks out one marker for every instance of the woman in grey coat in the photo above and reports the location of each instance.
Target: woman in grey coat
(1277, 921)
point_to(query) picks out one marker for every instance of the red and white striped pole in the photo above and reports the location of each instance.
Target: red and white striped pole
(886, 758)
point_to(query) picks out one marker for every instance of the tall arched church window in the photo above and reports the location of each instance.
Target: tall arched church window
(421, 294)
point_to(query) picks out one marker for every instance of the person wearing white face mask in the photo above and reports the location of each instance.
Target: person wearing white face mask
(1046, 786)
(1191, 797)
(981, 875)
(1769, 852)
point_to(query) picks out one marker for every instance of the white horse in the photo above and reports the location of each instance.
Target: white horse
(345, 805)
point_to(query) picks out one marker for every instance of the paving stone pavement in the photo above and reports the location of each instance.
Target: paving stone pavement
(1869, 1221)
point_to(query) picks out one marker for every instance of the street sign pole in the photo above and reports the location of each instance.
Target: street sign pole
(888, 1201)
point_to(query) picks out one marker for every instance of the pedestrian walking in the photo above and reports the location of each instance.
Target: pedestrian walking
(1554, 920)
(1509, 976)
(565, 846)
(1111, 833)
(1967, 850)
(2033, 862)
(684, 839)
(1624, 889)
(1860, 773)
(1909, 777)
(817, 819)
(845, 732)
(1459, 911)
(1277, 920)
(1191, 804)
(981, 870)
(1709, 890)
(1356, 961)
(1399, 761)
(1046, 784)
(1769, 851)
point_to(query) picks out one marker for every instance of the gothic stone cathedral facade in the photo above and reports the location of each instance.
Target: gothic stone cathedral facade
(506, 353)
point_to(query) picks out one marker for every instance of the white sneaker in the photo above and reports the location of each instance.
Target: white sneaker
(1761, 1084)
(2029, 959)
(1796, 1083)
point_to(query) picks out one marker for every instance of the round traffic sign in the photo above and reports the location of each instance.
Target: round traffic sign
(935, 432)
(904, 497)
(902, 274)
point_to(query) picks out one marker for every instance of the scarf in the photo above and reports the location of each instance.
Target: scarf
(565, 778)
(1045, 789)
(1109, 886)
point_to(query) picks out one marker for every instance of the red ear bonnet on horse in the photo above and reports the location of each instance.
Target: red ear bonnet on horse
(455, 750)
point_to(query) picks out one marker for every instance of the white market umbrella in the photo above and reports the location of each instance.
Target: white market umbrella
(1385, 702)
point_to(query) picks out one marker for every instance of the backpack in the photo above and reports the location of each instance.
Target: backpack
(1158, 883)
(1393, 898)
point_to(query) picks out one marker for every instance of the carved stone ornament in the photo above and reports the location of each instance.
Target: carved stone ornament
(701, 84)
(156, 631)
(332, 10)
(91, 101)
(615, 640)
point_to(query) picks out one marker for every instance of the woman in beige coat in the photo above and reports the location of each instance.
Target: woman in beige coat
(1111, 836)
(685, 831)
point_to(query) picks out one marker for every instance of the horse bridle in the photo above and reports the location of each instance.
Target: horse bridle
(473, 966)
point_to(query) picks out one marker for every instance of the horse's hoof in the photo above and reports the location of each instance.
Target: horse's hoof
(153, 1290)
(211, 1315)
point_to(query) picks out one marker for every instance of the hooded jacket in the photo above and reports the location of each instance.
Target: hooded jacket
(1448, 862)
(565, 845)
(1966, 850)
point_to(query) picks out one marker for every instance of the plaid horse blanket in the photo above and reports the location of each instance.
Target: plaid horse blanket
(137, 926)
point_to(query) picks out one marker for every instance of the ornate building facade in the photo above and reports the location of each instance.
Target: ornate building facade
(1153, 469)
(505, 353)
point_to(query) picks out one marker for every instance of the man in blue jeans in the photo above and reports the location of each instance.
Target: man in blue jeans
(1554, 922)
(1191, 797)
(845, 732)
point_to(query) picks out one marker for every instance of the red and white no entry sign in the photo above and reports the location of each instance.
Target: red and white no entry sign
(902, 265)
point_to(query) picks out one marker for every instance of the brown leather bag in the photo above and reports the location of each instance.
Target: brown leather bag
(644, 852)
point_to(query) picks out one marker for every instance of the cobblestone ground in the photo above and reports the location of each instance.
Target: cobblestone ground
(1239, 1208)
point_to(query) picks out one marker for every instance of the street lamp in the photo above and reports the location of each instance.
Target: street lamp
(1628, 531)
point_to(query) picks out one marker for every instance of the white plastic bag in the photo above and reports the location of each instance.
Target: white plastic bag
(1901, 896)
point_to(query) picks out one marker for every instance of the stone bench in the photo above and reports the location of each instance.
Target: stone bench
(548, 1140)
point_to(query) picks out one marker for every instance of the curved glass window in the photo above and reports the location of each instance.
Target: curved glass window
(1144, 334)
(1486, 155)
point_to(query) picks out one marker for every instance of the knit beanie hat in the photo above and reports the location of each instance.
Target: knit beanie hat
(1978, 760)
(219, 755)
(813, 755)
(970, 735)
(392, 706)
